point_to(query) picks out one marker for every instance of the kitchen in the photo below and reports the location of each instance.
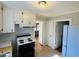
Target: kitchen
(18, 21)
(15, 24)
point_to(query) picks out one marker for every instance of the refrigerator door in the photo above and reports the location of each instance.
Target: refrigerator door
(64, 45)
(73, 42)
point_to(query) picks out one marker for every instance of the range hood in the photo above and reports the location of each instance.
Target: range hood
(27, 26)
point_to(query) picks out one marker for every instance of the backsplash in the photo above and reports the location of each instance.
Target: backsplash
(5, 39)
(22, 31)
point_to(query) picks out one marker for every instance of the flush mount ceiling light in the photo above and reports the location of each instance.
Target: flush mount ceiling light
(42, 3)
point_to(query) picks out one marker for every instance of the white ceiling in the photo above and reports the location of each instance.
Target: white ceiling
(55, 7)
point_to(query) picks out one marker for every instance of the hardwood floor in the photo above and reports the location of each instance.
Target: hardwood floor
(44, 51)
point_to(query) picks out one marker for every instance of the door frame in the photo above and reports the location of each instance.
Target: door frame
(40, 29)
(55, 22)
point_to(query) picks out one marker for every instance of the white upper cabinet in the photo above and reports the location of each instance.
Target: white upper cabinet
(18, 16)
(9, 17)
(24, 18)
(8, 20)
(1, 27)
(28, 19)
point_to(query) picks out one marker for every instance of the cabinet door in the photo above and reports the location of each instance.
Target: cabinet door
(1, 19)
(25, 20)
(32, 20)
(8, 20)
(18, 16)
(28, 19)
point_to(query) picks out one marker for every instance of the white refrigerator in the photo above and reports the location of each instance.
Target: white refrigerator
(70, 46)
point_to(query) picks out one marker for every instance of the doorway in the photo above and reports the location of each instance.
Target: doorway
(38, 32)
(59, 33)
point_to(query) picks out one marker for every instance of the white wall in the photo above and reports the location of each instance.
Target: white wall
(74, 21)
(46, 33)
(49, 26)
(23, 31)
(42, 28)
(42, 31)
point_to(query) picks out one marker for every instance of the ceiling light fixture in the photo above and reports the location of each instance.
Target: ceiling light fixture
(42, 3)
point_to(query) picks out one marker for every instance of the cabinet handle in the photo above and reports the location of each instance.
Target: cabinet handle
(2, 9)
(22, 21)
(22, 13)
(1, 29)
